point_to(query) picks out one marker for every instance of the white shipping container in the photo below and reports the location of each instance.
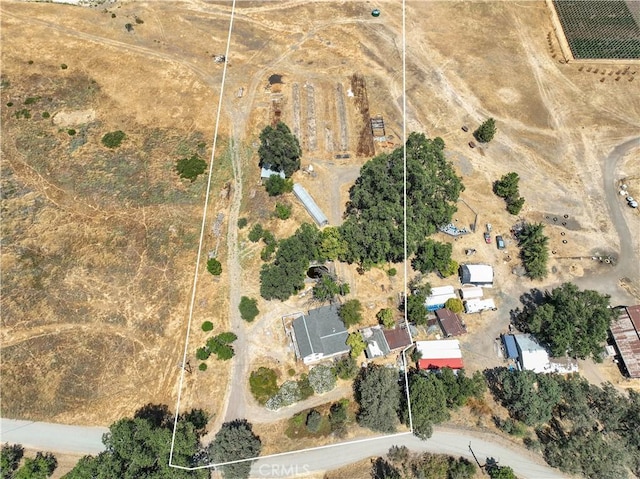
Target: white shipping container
(478, 305)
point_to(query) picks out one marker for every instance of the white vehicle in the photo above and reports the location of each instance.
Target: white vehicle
(633, 204)
(630, 199)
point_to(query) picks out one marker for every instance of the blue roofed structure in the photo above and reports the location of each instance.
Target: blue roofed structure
(510, 345)
(310, 205)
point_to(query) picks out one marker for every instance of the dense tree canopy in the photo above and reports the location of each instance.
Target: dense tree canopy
(276, 185)
(570, 321)
(373, 228)
(279, 149)
(378, 394)
(10, 457)
(235, 440)
(507, 188)
(486, 131)
(351, 312)
(583, 429)
(139, 448)
(433, 394)
(39, 467)
(285, 276)
(433, 256)
(534, 250)
(529, 397)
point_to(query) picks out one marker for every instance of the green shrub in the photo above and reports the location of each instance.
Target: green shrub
(346, 368)
(267, 252)
(207, 326)
(64, 66)
(31, 100)
(10, 104)
(24, 113)
(190, 168)
(242, 222)
(214, 267)
(203, 354)
(45, 114)
(226, 338)
(256, 233)
(113, 139)
(283, 211)
(385, 317)
(113, 15)
(139, 21)
(306, 391)
(71, 132)
(30, 62)
(291, 372)
(276, 185)
(486, 131)
(314, 420)
(263, 384)
(202, 367)
(224, 352)
(351, 312)
(392, 272)
(248, 308)
(454, 305)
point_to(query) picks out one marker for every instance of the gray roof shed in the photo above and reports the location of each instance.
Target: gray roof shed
(311, 206)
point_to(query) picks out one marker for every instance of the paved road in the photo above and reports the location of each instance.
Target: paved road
(444, 441)
(88, 440)
(45, 436)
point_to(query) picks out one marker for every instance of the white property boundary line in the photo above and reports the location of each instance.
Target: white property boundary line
(202, 228)
(197, 267)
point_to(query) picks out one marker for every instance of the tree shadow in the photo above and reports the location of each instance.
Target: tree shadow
(530, 300)
(157, 414)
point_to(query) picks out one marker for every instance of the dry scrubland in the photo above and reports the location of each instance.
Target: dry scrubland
(99, 245)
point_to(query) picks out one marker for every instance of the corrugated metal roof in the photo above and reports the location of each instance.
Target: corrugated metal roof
(510, 346)
(397, 338)
(634, 314)
(476, 274)
(453, 363)
(450, 323)
(310, 205)
(627, 340)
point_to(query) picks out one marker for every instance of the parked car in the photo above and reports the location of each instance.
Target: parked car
(633, 204)
(500, 242)
(487, 238)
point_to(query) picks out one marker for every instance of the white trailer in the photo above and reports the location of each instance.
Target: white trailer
(479, 305)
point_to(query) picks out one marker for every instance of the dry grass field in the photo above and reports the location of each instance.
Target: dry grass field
(99, 245)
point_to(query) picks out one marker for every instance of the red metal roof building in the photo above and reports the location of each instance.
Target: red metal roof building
(453, 363)
(625, 331)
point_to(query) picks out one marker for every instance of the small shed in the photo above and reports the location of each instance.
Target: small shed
(471, 292)
(376, 342)
(450, 323)
(477, 275)
(310, 205)
(439, 349)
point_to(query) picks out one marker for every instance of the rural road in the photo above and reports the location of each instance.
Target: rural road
(45, 436)
(628, 261)
(88, 440)
(443, 441)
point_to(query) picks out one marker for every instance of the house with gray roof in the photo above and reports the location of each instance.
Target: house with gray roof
(320, 335)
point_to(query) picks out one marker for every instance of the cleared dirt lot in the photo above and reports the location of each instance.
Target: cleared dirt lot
(97, 273)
